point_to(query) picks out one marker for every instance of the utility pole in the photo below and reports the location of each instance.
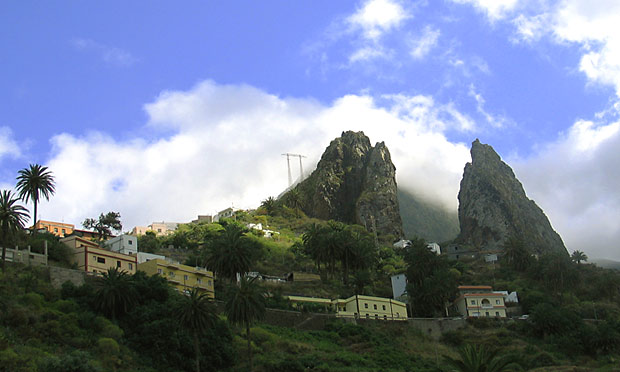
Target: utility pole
(288, 163)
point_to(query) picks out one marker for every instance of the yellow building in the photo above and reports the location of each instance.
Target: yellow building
(57, 228)
(182, 277)
(93, 259)
(359, 306)
(480, 301)
(370, 307)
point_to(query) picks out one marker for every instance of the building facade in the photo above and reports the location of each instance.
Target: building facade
(91, 258)
(27, 256)
(480, 301)
(126, 244)
(358, 306)
(59, 229)
(182, 277)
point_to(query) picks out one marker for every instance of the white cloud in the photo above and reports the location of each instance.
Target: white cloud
(530, 29)
(110, 55)
(376, 17)
(497, 121)
(576, 181)
(8, 146)
(226, 149)
(367, 53)
(421, 46)
(494, 9)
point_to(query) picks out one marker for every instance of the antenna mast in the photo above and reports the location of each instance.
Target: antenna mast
(288, 163)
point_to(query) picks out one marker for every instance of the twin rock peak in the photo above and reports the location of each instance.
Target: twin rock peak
(355, 182)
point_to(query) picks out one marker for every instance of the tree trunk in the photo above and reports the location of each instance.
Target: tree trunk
(3, 255)
(247, 330)
(34, 226)
(197, 351)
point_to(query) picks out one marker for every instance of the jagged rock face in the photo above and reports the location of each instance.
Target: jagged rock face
(354, 182)
(493, 207)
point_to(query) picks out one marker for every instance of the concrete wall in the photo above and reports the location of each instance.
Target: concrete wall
(59, 275)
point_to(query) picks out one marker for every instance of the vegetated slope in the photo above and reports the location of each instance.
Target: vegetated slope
(354, 183)
(493, 207)
(425, 219)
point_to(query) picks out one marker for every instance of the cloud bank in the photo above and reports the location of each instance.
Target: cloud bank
(227, 140)
(226, 150)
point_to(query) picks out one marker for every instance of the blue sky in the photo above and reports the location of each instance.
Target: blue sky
(162, 111)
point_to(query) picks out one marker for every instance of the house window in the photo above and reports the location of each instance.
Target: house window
(365, 306)
(159, 271)
(209, 283)
(130, 266)
(487, 313)
(473, 302)
(130, 242)
(497, 313)
(383, 307)
(497, 302)
(375, 306)
(63, 232)
(385, 317)
(397, 315)
(55, 229)
(457, 256)
(199, 281)
(376, 316)
(171, 274)
(367, 316)
(185, 277)
(118, 263)
(158, 230)
(101, 260)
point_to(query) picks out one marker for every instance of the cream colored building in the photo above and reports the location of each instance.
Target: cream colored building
(359, 306)
(480, 301)
(91, 258)
(182, 277)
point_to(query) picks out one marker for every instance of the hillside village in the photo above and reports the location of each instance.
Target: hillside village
(290, 270)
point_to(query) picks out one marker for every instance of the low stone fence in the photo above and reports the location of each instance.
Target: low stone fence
(433, 327)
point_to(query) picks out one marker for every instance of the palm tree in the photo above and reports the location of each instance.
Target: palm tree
(579, 256)
(517, 254)
(12, 219)
(33, 183)
(244, 306)
(115, 293)
(197, 313)
(294, 200)
(479, 359)
(270, 205)
(231, 252)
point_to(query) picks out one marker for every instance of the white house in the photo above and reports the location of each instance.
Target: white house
(434, 247)
(125, 244)
(399, 285)
(144, 257)
(402, 243)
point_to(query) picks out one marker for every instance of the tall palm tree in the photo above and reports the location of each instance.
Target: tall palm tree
(12, 219)
(33, 183)
(578, 256)
(244, 306)
(197, 313)
(231, 252)
(115, 293)
(479, 359)
(270, 205)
